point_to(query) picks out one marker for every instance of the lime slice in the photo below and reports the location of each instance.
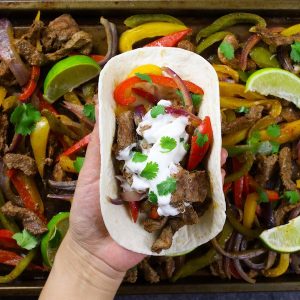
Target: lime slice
(58, 227)
(68, 74)
(284, 238)
(275, 82)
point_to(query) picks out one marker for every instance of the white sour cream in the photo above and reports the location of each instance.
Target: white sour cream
(152, 130)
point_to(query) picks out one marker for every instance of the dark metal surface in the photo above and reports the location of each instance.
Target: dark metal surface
(200, 13)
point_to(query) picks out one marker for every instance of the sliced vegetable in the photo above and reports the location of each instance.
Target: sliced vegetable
(238, 185)
(209, 41)
(77, 146)
(134, 210)
(67, 164)
(264, 58)
(250, 209)
(250, 43)
(31, 86)
(281, 268)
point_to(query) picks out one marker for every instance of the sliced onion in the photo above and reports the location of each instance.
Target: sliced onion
(17, 138)
(284, 58)
(140, 111)
(248, 262)
(181, 112)
(271, 259)
(132, 196)
(9, 54)
(187, 99)
(66, 197)
(250, 43)
(117, 201)
(294, 213)
(227, 260)
(267, 215)
(63, 185)
(112, 40)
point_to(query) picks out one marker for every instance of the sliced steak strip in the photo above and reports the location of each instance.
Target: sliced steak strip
(164, 240)
(243, 122)
(266, 167)
(189, 217)
(126, 131)
(290, 114)
(285, 163)
(31, 222)
(151, 225)
(131, 275)
(166, 267)
(21, 162)
(3, 131)
(6, 76)
(149, 273)
(186, 45)
(282, 211)
(30, 53)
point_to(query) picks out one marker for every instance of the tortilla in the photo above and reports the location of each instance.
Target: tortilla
(189, 66)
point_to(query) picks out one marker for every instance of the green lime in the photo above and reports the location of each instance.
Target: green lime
(284, 238)
(275, 82)
(58, 227)
(68, 74)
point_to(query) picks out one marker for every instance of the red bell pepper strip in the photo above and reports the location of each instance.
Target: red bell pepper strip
(6, 240)
(170, 40)
(43, 104)
(201, 140)
(31, 86)
(272, 195)
(153, 213)
(134, 210)
(238, 185)
(97, 57)
(77, 146)
(246, 189)
(226, 187)
(123, 95)
(146, 95)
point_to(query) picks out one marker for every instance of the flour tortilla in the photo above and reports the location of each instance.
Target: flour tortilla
(189, 66)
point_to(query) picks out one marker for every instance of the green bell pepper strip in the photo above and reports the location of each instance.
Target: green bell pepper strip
(7, 223)
(212, 39)
(137, 20)
(264, 58)
(239, 149)
(19, 268)
(206, 259)
(249, 159)
(230, 20)
(249, 233)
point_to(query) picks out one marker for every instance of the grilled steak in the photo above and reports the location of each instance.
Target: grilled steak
(285, 163)
(151, 225)
(266, 167)
(3, 131)
(21, 162)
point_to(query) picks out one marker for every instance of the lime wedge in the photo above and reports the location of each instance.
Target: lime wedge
(284, 238)
(68, 74)
(275, 82)
(58, 227)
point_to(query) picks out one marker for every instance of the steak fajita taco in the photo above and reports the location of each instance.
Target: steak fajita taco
(160, 139)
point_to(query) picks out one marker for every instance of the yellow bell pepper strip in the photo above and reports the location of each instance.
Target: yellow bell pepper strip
(234, 138)
(228, 89)
(234, 103)
(140, 19)
(249, 159)
(147, 30)
(291, 30)
(209, 41)
(250, 209)
(77, 146)
(227, 70)
(264, 58)
(9, 102)
(230, 115)
(229, 20)
(288, 132)
(67, 164)
(20, 267)
(249, 233)
(3, 93)
(195, 264)
(7, 222)
(261, 124)
(39, 139)
(38, 41)
(281, 268)
(298, 183)
(146, 69)
(72, 98)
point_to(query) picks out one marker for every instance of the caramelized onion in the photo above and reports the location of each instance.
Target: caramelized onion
(250, 43)
(63, 185)
(132, 196)
(284, 58)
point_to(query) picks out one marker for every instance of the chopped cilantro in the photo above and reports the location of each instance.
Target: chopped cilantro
(152, 197)
(25, 240)
(295, 52)
(157, 110)
(89, 111)
(78, 163)
(242, 109)
(292, 197)
(167, 143)
(139, 157)
(201, 139)
(144, 77)
(179, 93)
(262, 196)
(186, 146)
(273, 130)
(196, 99)
(275, 147)
(227, 50)
(166, 187)
(150, 171)
(254, 138)
(24, 117)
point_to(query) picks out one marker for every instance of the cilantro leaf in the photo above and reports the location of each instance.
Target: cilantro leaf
(201, 139)
(196, 99)
(89, 111)
(227, 50)
(186, 146)
(78, 163)
(179, 93)
(292, 197)
(144, 77)
(254, 138)
(262, 196)
(166, 187)
(275, 147)
(24, 117)
(139, 157)
(157, 110)
(150, 171)
(295, 52)
(167, 143)
(152, 197)
(242, 109)
(273, 130)
(25, 240)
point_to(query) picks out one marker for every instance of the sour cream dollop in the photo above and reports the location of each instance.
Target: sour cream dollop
(165, 137)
